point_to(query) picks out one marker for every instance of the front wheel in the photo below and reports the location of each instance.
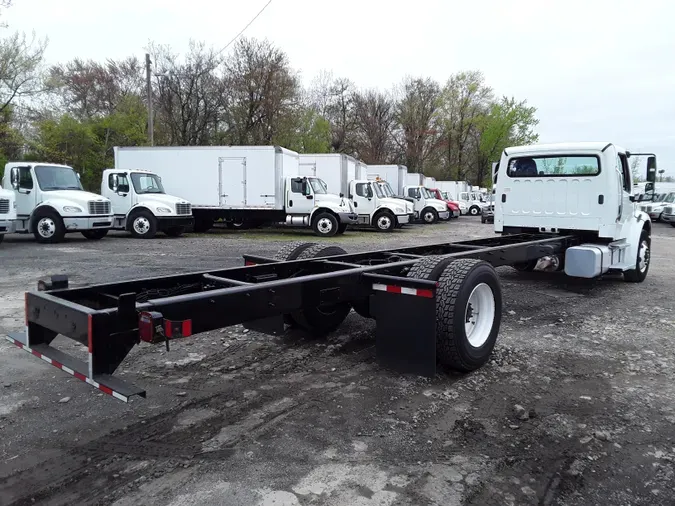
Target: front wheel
(639, 274)
(95, 235)
(48, 228)
(385, 222)
(429, 216)
(474, 210)
(143, 225)
(325, 225)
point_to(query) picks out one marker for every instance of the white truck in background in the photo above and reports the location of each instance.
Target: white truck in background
(429, 182)
(348, 177)
(461, 191)
(141, 206)
(427, 207)
(51, 202)
(395, 175)
(243, 185)
(7, 212)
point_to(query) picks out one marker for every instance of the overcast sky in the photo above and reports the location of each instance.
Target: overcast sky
(595, 69)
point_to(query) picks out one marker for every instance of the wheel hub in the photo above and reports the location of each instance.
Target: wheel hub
(141, 225)
(479, 315)
(46, 227)
(643, 254)
(383, 222)
(325, 225)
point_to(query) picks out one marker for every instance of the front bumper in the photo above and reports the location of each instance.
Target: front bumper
(444, 215)
(656, 215)
(166, 222)
(669, 218)
(348, 218)
(7, 226)
(403, 219)
(455, 214)
(87, 223)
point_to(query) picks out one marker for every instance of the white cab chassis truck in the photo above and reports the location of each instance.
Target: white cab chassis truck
(141, 206)
(428, 208)
(347, 176)
(50, 202)
(243, 186)
(583, 190)
(7, 213)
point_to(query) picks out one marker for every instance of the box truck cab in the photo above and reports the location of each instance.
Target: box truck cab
(51, 202)
(142, 207)
(7, 212)
(389, 193)
(427, 207)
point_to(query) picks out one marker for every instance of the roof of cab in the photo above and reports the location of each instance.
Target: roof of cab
(560, 147)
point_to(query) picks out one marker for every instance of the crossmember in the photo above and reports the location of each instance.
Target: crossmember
(110, 319)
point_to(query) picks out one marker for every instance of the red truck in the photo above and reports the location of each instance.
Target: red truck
(452, 206)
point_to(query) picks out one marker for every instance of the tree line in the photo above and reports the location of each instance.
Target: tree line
(76, 112)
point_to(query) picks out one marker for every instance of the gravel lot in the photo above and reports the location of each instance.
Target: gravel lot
(576, 407)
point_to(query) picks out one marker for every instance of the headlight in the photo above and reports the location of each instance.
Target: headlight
(163, 210)
(71, 209)
(398, 210)
(14, 204)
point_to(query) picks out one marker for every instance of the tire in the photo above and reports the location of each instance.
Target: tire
(384, 222)
(325, 225)
(2, 237)
(290, 252)
(474, 210)
(203, 225)
(642, 261)
(342, 228)
(174, 231)
(464, 285)
(236, 225)
(48, 227)
(318, 320)
(672, 223)
(143, 225)
(95, 235)
(429, 215)
(482, 219)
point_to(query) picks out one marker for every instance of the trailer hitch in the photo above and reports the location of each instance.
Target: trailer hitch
(154, 328)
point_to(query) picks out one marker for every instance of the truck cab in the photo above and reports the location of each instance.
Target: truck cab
(473, 202)
(583, 189)
(428, 208)
(141, 206)
(7, 212)
(452, 206)
(51, 202)
(375, 208)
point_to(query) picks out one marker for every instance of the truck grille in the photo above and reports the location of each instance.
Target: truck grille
(668, 210)
(646, 209)
(99, 207)
(183, 209)
(4, 206)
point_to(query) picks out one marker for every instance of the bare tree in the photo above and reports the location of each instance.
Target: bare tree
(20, 68)
(375, 119)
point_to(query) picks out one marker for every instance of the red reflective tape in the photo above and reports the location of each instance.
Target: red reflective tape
(168, 331)
(36, 353)
(425, 293)
(79, 376)
(57, 364)
(187, 328)
(105, 389)
(89, 333)
(20, 345)
(393, 289)
(248, 262)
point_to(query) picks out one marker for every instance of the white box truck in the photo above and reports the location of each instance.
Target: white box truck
(7, 212)
(429, 182)
(345, 175)
(242, 185)
(461, 191)
(141, 206)
(51, 202)
(395, 175)
(427, 207)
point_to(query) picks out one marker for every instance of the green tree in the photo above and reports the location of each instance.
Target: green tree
(305, 132)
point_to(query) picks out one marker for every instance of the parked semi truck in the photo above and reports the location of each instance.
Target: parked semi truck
(7, 212)
(435, 303)
(141, 206)
(243, 185)
(347, 176)
(50, 202)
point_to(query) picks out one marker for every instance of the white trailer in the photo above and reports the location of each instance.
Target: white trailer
(7, 213)
(142, 207)
(243, 185)
(345, 175)
(395, 175)
(430, 182)
(51, 202)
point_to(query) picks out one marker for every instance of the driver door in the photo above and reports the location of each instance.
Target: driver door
(25, 191)
(301, 197)
(120, 192)
(362, 198)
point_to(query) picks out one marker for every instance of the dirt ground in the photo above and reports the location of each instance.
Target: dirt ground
(576, 407)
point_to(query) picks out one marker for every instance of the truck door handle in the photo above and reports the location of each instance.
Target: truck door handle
(290, 203)
(601, 199)
(503, 197)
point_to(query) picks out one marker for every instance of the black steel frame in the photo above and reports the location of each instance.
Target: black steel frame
(105, 317)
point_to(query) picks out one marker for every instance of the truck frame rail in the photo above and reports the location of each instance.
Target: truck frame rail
(110, 319)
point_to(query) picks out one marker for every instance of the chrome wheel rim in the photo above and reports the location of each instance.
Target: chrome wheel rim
(384, 222)
(429, 217)
(479, 315)
(46, 227)
(141, 225)
(325, 225)
(643, 256)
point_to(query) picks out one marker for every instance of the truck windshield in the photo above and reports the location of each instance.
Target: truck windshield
(53, 177)
(378, 191)
(386, 189)
(670, 198)
(146, 183)
(428, 194)
(318, 185)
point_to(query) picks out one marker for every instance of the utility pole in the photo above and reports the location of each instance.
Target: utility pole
(148, 71)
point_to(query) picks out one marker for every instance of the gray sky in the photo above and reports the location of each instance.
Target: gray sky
(595, 69)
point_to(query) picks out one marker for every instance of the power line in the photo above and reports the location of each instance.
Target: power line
(244, 29)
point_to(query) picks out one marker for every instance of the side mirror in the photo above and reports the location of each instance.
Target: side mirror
(78, 175)
(115, 183)
(305, 188)
(651, 169)
(632, 198)
(14, 176)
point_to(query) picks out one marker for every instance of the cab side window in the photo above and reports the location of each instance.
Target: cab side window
(25, 178)
(296, 186)
(122, 182)
(413, 192)
(361, 190)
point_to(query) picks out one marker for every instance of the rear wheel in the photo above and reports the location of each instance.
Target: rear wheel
(95, 235)
(287, 253)
(324, 318)
(48, 227)
(429, 215)
(639, 274)
(468, 309)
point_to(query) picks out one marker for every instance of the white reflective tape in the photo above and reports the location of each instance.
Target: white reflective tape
(382, 288)
(120, 396)
(409, 291)
(67, 369)
(46, 359)
(91, 382)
